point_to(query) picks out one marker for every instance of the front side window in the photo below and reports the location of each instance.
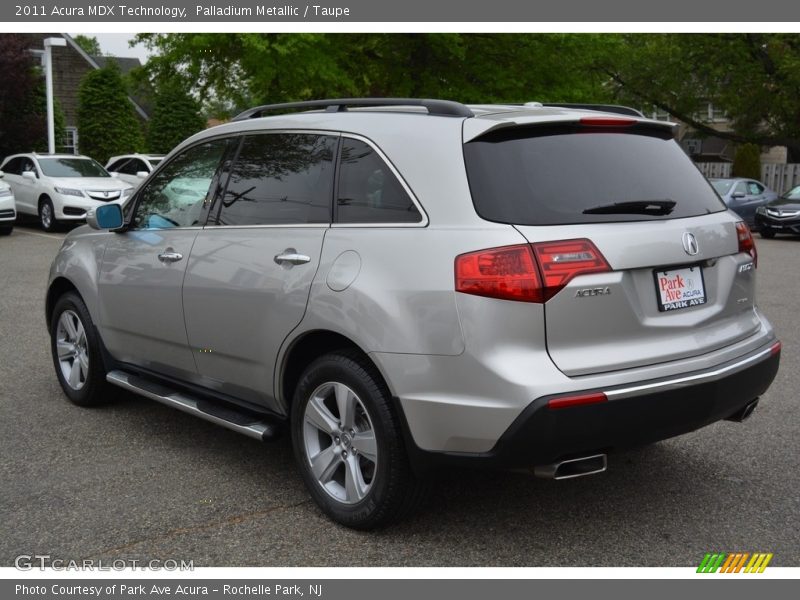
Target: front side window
(368, 190)
(754, 188)
(280, 179)
(179, 194)
(13, 166)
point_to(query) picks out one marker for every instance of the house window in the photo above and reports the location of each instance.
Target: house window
(656, 114)
(69, 143)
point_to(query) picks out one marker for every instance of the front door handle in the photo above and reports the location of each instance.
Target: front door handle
(170, 256)
(291, 256)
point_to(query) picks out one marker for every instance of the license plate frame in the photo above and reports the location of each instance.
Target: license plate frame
(684, 280)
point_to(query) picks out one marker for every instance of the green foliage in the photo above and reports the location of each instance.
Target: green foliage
(22, 99)
(747, 162)
(753, 77)
(90, 45)
(245, 69)
(175, 116)
(107, 122)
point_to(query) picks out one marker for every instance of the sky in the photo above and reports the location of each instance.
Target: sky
(117, 45)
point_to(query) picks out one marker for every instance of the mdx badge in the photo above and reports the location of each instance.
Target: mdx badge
(690, 244)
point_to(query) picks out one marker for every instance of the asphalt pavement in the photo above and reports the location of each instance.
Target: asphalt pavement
(138, 480)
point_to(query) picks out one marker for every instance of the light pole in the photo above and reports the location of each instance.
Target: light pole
(48, 74)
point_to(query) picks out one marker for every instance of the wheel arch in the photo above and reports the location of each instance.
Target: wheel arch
(306, 348)
(58, 287)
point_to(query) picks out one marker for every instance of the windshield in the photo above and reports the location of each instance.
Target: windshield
(72, 167)
(565, 174)
(793, 194)
(721, 185)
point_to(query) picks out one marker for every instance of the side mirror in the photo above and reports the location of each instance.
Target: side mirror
(737, 195)
(113, 173)
(29, 175)
(2, 174)
(108, 216)
(142, 174)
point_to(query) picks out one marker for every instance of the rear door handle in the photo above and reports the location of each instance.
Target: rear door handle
(291, 256)
(170, 256)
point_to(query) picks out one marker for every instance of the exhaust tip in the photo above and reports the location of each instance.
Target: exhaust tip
(743, 414)
(575, 467)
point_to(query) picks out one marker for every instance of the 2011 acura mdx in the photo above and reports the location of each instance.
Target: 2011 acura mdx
(408, 284)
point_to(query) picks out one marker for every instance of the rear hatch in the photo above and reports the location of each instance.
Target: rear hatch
(639, 259)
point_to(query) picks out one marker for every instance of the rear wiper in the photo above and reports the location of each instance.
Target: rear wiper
(637, 207)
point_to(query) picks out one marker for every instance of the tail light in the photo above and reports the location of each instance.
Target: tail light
(508, 273)
(746, 242)
(527, 272)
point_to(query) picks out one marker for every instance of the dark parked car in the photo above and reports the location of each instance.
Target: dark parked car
(744, 196)
(781, 215)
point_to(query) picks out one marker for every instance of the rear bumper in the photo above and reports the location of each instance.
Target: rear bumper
(633, 415)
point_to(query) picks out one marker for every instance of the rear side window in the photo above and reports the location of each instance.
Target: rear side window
(368, 190)
(566, 175)
(280, 179)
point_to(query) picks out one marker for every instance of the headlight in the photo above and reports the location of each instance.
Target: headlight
(68, 191)
(761, 210)
(5, 192)
(127, 193)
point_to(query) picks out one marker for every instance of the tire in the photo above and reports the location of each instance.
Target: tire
(47, 215)
(383, 487)
(80, 350)
(6, 229)
(766, 234)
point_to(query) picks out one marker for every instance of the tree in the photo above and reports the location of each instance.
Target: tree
(246, 69)
(90, 45)
(24, 123)
(753, 77)
(107, 122)
(747, 162)
(175, 116)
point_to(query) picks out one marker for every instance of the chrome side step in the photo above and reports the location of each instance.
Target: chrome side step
(241, 422)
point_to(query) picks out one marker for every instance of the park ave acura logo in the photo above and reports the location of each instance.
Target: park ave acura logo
(690, 244)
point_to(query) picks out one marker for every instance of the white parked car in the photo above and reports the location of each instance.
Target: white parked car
(133, 168)
(8, 212)
(61, 187)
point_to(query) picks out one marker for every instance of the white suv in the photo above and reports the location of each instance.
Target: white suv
(61, 187)
(7, 209)
(133, 168)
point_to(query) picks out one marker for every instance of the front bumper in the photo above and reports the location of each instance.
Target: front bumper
(634, 415)
(74, 208)
(787, 225)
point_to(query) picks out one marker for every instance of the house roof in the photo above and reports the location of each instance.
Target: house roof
(126, 65)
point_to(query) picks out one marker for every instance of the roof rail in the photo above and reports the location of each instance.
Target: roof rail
(612, 108)
(445, 108)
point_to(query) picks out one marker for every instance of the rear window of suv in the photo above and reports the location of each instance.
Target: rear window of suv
(569, 174)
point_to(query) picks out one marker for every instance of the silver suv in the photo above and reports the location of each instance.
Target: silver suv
(408, 284)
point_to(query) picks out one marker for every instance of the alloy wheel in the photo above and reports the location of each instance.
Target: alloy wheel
(72, 350)
(339, 442)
